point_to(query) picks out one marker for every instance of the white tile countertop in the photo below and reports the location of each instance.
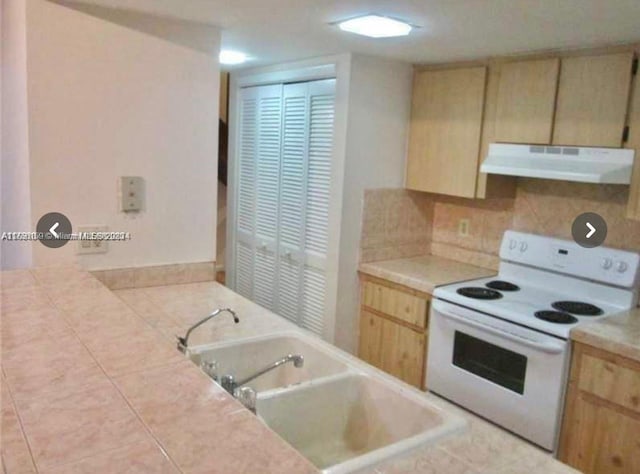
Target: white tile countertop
(618, 334)
(120, 371)
(424, 273)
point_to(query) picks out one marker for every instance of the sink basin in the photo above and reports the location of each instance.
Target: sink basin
(343, 416)
(243, 358)
(353, 421)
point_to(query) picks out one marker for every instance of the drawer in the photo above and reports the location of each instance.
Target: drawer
(397, 304)
(610, 381)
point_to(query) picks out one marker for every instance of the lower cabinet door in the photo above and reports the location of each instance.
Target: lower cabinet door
(370, 346)
(394, 348)
(602, 440)
(403, 352)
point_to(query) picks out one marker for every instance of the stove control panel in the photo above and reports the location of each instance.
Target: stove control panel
(602, 264)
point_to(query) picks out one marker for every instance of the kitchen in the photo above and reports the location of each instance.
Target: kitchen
(422, 219)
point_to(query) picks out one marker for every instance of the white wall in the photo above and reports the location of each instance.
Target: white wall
(107, 101)
(16, 214)
(198, 36)
(376, 145)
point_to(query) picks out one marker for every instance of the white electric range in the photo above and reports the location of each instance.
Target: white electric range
(500, 346)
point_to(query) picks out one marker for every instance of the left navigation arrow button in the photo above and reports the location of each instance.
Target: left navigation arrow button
(53, 228)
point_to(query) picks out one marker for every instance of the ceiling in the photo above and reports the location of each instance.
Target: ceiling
(272, 31)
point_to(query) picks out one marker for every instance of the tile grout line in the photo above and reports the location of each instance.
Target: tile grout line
(21, 424)
(150, 432)
(18, 416)
(171, 319)
(462, 461)
(236, 412)
(160, 445)
(113, 384)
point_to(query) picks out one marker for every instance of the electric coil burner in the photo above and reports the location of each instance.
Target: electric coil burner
(502, 285)
(577, 307)
(557, 317)
(479, 293)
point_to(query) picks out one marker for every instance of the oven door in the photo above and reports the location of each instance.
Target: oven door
(509, 374)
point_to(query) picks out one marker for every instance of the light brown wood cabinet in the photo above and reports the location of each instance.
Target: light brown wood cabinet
(526, 101)
(393, 329)
(633, 205)
(593, 97)
(565, 100)
(445, 131)
(601, 426)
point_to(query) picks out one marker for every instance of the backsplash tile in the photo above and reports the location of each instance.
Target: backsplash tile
(398, 223)
(488, 219)
(548, 207)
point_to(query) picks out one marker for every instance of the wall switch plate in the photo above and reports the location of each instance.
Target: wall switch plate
(86, 246)
(132, 188)
(463, 227)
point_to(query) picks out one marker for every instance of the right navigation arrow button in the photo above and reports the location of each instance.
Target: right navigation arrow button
(589, 230)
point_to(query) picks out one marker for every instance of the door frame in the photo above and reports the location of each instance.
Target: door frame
(333, 67)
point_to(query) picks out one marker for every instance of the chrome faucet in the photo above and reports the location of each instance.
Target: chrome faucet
(182, 341)
(229, 383)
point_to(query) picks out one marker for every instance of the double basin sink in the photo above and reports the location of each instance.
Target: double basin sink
(342, 415)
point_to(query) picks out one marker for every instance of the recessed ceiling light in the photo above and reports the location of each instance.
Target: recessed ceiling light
(230, 58)
(376, 26)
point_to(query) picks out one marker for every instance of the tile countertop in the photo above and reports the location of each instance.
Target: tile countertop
(120, 396)
(424, 273)
(619, 334)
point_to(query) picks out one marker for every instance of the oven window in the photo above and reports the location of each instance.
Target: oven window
(499, 365)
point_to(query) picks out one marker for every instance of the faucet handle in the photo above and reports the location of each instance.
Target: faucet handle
(228, 382)
(210, 368)
(247, 396)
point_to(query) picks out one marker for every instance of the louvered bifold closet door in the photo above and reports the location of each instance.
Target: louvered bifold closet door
(246, 200)
(295, 138)
(284, 184)
(267, 189)
(258, 188)
(316, 239)
(308, 117)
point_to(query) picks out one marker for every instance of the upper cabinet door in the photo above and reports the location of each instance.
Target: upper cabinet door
(592, 100)
(446, 123)
(526, 100)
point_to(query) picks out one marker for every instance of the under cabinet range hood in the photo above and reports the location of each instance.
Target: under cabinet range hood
(568, 163)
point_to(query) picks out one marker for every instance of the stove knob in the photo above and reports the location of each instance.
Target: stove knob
(621, 267)
(523, 246)
(607, 263)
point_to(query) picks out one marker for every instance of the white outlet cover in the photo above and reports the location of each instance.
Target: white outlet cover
(87, 247)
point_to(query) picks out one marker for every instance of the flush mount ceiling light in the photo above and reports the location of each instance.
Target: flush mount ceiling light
(231, 58)
(376, 26)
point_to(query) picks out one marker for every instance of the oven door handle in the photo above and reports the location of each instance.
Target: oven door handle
(540, 346)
